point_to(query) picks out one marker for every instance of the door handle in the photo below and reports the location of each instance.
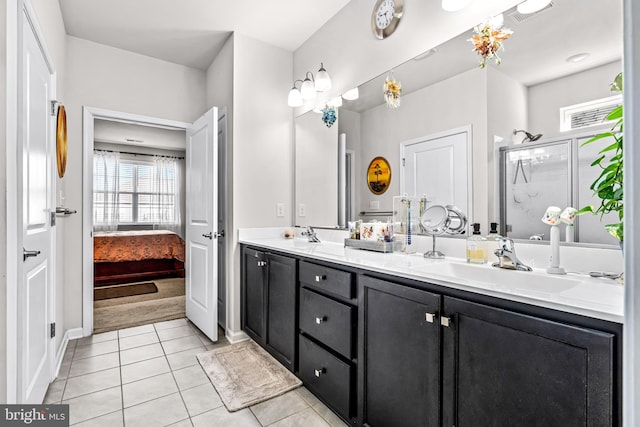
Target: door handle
(220, 234)
(26, 254)
(209, 236)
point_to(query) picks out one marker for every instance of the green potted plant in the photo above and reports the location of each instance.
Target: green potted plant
(608, 186)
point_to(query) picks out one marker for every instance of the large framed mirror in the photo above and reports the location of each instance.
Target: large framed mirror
(555, 72)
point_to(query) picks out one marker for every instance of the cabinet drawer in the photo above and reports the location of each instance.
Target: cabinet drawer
(327, 279)
(329, 321)
(326, 375)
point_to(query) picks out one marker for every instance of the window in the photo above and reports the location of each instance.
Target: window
(140, 193)
(587, 114)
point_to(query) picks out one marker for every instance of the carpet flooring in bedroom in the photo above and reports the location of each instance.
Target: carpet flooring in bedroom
(118, 313)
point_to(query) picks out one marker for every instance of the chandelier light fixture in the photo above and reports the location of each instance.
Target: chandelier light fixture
(309, 87)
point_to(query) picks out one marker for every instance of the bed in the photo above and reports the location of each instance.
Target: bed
(131, 256)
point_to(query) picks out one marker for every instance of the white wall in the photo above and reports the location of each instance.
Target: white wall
(353, 56)
(506, 111)
(546, 99)
(262, 146)
(433, 109)
(114, 79)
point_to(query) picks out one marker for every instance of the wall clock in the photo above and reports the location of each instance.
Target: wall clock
(61, 141)
(385, 17)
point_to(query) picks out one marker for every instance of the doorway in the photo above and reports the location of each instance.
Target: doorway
(164, 286)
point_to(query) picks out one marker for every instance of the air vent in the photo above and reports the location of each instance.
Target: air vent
(588, 114)
(520, 17)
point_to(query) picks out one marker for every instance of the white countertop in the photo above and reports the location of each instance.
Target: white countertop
(573, 293)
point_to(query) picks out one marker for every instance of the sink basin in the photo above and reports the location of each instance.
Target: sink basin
(500, 278)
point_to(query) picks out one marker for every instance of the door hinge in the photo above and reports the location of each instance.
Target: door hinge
(53, 219)
(53, 329)
(54, 104)
(404, 162)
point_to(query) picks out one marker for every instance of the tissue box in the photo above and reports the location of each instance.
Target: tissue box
(374, 231)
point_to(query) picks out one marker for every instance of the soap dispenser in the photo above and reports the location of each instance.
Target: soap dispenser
(476, 246)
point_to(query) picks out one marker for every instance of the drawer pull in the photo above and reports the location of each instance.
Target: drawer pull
(319, 372)
(446, 321)
(320, 320)
(320, 278)
(430, 317)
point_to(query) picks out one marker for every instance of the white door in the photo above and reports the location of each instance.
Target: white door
(35, 289)
(202, 221)
(438, 167)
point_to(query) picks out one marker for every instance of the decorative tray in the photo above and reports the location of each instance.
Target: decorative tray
(371, 245)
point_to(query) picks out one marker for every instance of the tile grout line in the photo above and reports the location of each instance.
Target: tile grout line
(121, 384)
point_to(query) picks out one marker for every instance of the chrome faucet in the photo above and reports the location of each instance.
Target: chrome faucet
(311, 235)
(507, 256)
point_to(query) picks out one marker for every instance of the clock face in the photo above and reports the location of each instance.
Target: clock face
(385, 17)
(384, 14)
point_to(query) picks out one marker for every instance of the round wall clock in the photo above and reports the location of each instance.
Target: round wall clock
(378, 175)
(61, 141)
(385, 17)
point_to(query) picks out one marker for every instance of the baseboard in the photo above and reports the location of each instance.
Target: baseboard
(235, 337)
(70, 334)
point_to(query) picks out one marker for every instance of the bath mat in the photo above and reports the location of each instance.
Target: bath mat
(119, 291)
(244, 374)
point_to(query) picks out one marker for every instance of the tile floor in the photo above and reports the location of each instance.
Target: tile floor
(149, 376)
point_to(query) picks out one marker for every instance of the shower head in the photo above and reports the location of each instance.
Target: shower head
(529, 137)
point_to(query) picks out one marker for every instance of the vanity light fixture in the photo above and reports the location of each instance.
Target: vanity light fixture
(335, 102)
(532, 6)
(351, 94)
(295, 97)
(310, 87)
(454, 5)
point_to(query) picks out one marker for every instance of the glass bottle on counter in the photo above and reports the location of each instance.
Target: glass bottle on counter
(476, 246)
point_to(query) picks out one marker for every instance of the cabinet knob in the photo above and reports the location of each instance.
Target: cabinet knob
(430, 317)
(320, 278)
(262, 263)
(319, 372)
(446, 321)
(320, 320)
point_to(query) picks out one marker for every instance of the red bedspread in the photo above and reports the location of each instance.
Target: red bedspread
(137, 246)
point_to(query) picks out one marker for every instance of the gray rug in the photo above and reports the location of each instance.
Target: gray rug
(244, 374)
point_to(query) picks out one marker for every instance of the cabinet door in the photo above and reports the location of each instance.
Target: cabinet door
(254, 276)
(280, 338)
(400, 337)
(507, 369)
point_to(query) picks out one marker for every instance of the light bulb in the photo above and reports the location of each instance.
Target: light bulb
(351, 94)
(307, 90)
(295, 98)
(323, 81)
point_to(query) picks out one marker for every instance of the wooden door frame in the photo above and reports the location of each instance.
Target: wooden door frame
(89, 115)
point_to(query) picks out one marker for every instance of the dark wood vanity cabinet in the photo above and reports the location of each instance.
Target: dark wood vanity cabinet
(431, 360)
(327, 342)
(400, 351)
(269, 303)
(503, 368)
(383, 351)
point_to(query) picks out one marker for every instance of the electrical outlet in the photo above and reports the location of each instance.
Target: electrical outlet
(374, 204)
(302, 210)
(279, 209)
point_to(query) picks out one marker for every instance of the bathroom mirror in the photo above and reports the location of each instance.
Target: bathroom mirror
(444, 89)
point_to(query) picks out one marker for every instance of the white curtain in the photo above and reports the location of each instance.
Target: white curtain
(167, 199)
(105, 190)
